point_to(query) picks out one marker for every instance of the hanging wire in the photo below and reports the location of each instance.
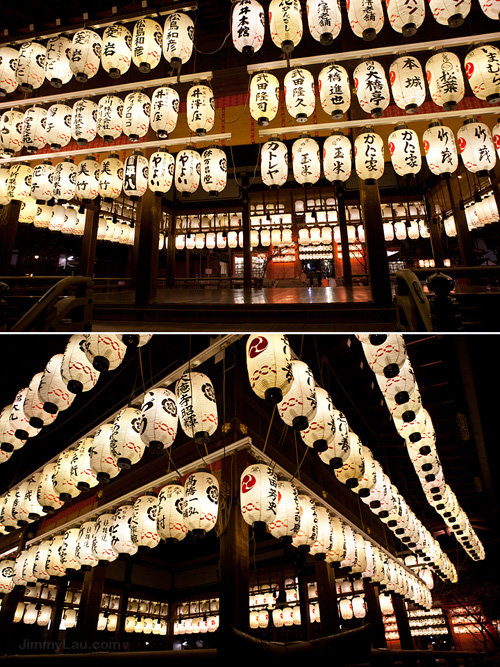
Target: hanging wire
(269, 429)
(245, 187)
(210, 53)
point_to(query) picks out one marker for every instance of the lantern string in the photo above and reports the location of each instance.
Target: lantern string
(269, 429)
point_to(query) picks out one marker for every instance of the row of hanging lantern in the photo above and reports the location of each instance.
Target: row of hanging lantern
(56, 126)
(388, 358)
(443, 73)
(32, 614)
(477, 213)
(275, 376)
(114, 231)
(208, 222)
(143, 625)
(233, 239)
(200, 624)
(315, 236)
(81, 56)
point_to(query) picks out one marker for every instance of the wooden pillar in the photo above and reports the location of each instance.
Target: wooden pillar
(247, 249)
(8, 231)
(436, 229)
(374, 614)
(58, 609)
(405, 638)
(305, 625)
(90, 604)
(233, 589)
(327, 597)
(170, 240)
(464, 238)
(344, 241)
(149, 214)
(378, 264)
(89, 241)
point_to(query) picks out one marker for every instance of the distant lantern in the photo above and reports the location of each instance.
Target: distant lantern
(491, 8)
(135, 178)
(407, 83)
(440, 149)
(76, 369)
(165, 103)
(34, 129)
(178, 35)
(476, 146)
(200, 109)
(404, 150)
(122, 541)
(11, 131)
(83, 551)
(136, 115)
(450, 12)
(285, 24)
(481, 66)
(366, 18)
(8, 66)
(87, 179)
(30, 70)
(197, 406)
(248, 26)
(111, 177)
(308, 529)
(65, 180)
(109, 117)
(299, 94)
(299, 406)
(64, 484)
(274, 163)
(85, 54)
(58, 126)
(146, 44)
(324, 19)
(102, 547)
(445, 79)
(143, 522)
(286, 524)
(334, 90)
(369, 156)
(126, 444)
(264, 97)
(161, 171)
(213, 170)
(306, 160)
(406, 17)
(338, 450)
(269, 365)
(187, 170)
(372, 88)
(52, 389)
(57, 67)
(4, 177)
(102, 461)
(258, 495)
(337, 158)
(321, 430)
(201, 502)
(159, 419)
(324, 539)
(358, 607)
(46, 493)
(6, 574)
(19, 181)
(116, 54)
(170, 522)
(84, 121)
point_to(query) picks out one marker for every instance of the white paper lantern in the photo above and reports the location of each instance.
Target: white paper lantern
(248, 26)
(53, 390)
(67, 551)
(58, 126)
(146, 44)
(334, 90)
(406, 17)
(213, 170)
(187, 170)
(136, 115)
(337, 158)
(404, 150)
(76, 370)
(135, 179)
(324, 540)
(298, 408)
(200, 109)
(201, 502)
(111, 177)
(57, 66)
(366, 18)
(102, 461)
(306, 160)
(476, 146)
(491, 8)
(126, 444)
(8, 66)
(197, 406)
(407, 83)
(372, 88)
(269, 365)
(53, 565)
(63, 481)
(46, 493)
(324, 20)
(440, 149)
(6, 574)
(481, 66)
(19, 181)
(87, 179)
(358, 607)
(64, 186)
(299, 94)
(84, 121)
(170, 522)
(116, 54)
(30, 70)
(274, 163)
(159, 419)
(338, 449)
(161, 171)
(143, 524)
(165, 104)
(369, 156)
(102, 539)
(11, 131)
(264, 97)
(121, 540)
(33, 130)
(445, 79)
(83, 550)
(178, 37)
(109, 117)
(81, 470)
(450, 12)
(85, 54)
(307, 534)
(321, 430)
(4, 177)
(285, 24)
(28, 210)
(258, 495)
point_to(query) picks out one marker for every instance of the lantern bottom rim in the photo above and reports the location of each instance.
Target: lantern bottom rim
(103, 477)
(320, 445)
(155, 447)
(287, 46)
(326, 38)
(411, 108)
(259, 526)
(81, 77)
(7, 447)
(75, 386)
(336, 462)
(300, 423)
(450, 106)
(83, 486)
(369, 34)
(415, 437)
(123, 463)
(409, 30)
(456, 20)
(114, 73)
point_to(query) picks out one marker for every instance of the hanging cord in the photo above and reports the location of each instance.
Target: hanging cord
(245, 187)
(269, 429)
(299, 465)
(236, 120)
(210, 53)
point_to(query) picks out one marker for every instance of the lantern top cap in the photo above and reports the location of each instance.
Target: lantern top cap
(401, 126)
(468, 121)
(436, 123)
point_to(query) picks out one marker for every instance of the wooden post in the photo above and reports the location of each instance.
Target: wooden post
(170, 240)
(89, 241)
(90, 604)
(305, 625)
(374, 614)
(57, 611)
(327, 597)
(405, 638)
(149, 214)
(8, 231)
(344, 241)
(436, 229)
(464, 239)
(247, 249)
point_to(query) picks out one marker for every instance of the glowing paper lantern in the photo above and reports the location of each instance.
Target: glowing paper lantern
(64, 186)
(33, 130)
(57, 67)
(200, 109)
(161, 171)
(264, 97)
(53, 565)
(135, 179)
(159, 419)
(83, 550)
(407, 83)
(334, 90)
(324, 540)
(248, 26)
(143, 522)
(258, 495)
(306, 160)
(170, 522)
(358, 607)
(481, 65)
(8, 66)
(146, 44)
(298, 408)
(372, 88)
(165, 104)
(187, 170)
(321, 430)
(101, 541)
(4, 176)
(338, 449)
(121, 540)
(111, 177)
(102, 461)
(337, 158)
(201, 502)
(63, 481)
(58, 126)
(450, 12)
(178, 37)
(269, 365)
(30, 70)
(76, 370)
(11, 131)
(386, 357)
(307, 534)
(68, 550)
(126, 444)
(324, 19)
(197, 406)
(366, 18)
(299, 94)
(19, 181)
(406, 17)
(87, 179)
(136, 115)
(274, 163)
(116, 54)
(84, 121)
(353, 466)
(440, 149)
(6, 574)
(445, 79)
(404, 151)
(369, 156)
(213, 170)
(285, 24)
(109, 117)
(476, 146)
(491, 8)
(85, 54)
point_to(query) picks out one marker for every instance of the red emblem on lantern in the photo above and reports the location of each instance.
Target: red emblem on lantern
(462, 144)
(426, 147)
(392, 76)
(428, 75)
(247, 483)
(257, 346)
(469, 69)
(391, 147)
(496, 139)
